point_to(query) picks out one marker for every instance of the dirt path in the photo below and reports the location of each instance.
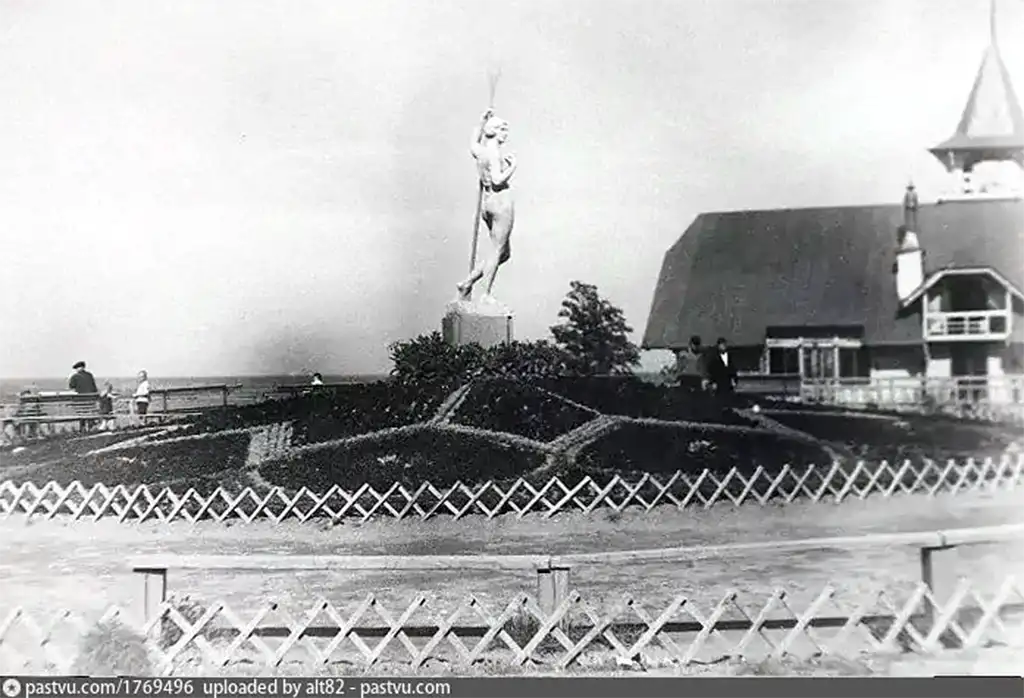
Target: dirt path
(62, 564)
(48, 567)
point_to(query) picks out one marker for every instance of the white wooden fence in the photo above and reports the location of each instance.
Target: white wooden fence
(534, 632)
(835, 483)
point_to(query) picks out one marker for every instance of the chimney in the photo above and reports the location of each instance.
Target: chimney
(909, 266)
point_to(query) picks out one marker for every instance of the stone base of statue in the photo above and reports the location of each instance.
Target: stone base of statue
(477, 322)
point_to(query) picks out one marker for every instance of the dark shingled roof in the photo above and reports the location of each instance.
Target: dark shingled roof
(736, 274)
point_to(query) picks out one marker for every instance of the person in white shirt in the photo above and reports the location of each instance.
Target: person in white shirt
(142, 394)
(317, 379)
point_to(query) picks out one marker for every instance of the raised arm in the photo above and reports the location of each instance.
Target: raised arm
(478, 132)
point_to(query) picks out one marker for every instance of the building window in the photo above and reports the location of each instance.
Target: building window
(854, 363)
(819, 361)
(816, 359)
(784, 361)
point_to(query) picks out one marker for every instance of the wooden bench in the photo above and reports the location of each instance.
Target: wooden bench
(553, 572)
(160, 398)
(49, 408)
(54, 408)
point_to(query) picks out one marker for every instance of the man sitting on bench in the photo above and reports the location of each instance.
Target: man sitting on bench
(81, 381)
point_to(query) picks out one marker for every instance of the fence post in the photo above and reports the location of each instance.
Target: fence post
(552, 588)
(154, 592)
(942, 585)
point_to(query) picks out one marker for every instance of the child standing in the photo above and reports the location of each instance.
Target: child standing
(107, 406)
(142, 394)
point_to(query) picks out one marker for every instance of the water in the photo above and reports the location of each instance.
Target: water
(252, 387)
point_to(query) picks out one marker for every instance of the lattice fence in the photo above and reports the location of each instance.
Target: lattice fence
(624, 632)
(521, 497)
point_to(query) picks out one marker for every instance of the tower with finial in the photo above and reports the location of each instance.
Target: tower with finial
(991, 130)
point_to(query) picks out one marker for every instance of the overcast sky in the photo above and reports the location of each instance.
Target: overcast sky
(209, 187)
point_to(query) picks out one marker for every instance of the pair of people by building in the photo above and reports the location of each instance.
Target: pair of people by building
(702, 370)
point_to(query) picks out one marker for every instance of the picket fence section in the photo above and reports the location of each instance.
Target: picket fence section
(520, 497)
(622, 633)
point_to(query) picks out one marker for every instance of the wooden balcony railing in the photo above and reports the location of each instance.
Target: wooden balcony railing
(975, 324)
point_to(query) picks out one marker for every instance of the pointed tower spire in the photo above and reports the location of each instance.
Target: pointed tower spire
(991, 127)
(992, 23)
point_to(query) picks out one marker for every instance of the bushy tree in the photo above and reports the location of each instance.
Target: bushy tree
(594, 334)
(429, 361)
(430, 364)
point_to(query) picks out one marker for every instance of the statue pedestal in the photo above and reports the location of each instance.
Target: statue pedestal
(474, 322)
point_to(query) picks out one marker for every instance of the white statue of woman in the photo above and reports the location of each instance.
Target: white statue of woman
(497, 210)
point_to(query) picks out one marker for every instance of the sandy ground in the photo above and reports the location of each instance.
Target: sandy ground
(82, 566)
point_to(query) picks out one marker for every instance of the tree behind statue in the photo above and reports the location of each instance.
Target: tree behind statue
(594, 334)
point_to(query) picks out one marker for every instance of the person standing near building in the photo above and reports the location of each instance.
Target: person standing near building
(141, 396)
(691, 373)
(721, 372)
(81, 381)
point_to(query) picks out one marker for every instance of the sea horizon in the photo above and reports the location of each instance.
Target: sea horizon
(11, 387)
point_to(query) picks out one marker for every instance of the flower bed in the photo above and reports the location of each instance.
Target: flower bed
(409, 458)
(180, 462)
(631, 397)
(518, 408)
(327, 414)
(62, 447)
(910, 436)
(640, 448)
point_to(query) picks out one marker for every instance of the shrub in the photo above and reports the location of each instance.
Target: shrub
(428, 364)
(518, 408)
(111, 649)
(640, 448)
(411, 458)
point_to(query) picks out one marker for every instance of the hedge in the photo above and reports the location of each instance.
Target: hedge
(409, 458)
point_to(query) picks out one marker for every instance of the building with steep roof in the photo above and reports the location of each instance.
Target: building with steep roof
(862, 294)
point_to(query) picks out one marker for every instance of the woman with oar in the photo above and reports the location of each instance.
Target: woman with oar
(495, 205)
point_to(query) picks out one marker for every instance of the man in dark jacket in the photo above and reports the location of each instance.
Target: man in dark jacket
(721, 372)
(81, 381)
